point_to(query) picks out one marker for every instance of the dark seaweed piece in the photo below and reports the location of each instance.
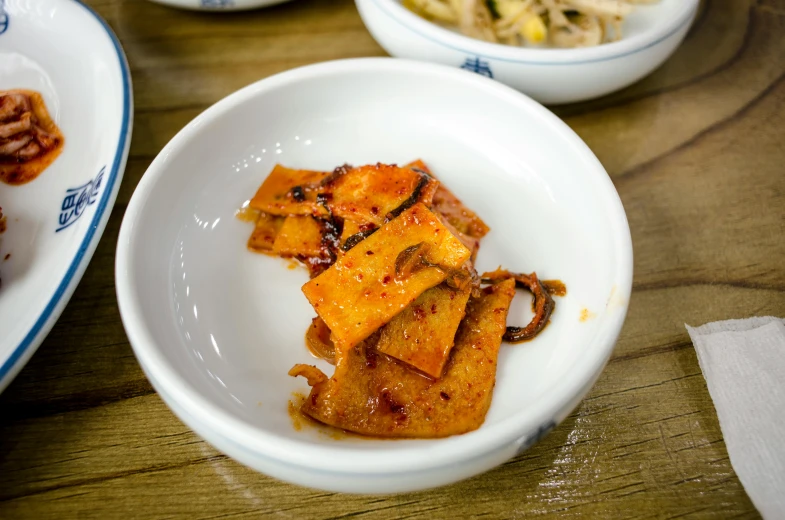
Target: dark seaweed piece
(413, 198)
(413, 259)
(331, 236)
(357, 238)
(298, 194)
(408, 203)
(332, 228)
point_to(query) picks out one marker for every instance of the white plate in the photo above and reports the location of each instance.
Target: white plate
(216, 327)
(64, 50)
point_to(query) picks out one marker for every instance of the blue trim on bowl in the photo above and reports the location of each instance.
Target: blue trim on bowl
(473, 53)
(31, 340)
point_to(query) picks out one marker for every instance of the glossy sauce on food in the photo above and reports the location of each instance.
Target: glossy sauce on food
(401, 312)
(555, 287)
(29, 140)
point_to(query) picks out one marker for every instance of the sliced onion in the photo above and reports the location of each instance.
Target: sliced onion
(310, 372)
(318, 341)
(543, 303)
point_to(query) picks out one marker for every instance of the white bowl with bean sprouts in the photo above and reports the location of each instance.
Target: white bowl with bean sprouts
(556, 51)
(219, 5)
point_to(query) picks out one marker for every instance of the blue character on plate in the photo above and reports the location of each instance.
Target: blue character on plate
(478, 66)
(537, 436)
(77, 199)
(217, 4)
(3, 17)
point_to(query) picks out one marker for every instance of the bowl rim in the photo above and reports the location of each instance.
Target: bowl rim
(236, 5)
(536, 56)
(348, 460)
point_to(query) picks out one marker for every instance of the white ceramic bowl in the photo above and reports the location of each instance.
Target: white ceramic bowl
(216, 328)
(551, 76)
(219, 5)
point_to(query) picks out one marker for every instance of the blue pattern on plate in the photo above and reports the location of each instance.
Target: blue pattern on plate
(3, 17)
(217, 4)
(538, 435)
(77, 199)
(481, 67)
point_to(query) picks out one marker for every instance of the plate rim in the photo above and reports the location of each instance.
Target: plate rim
(11, 366)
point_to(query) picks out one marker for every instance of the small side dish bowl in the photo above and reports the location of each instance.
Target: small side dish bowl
(219, 5)
(551, 76)
(216, 327)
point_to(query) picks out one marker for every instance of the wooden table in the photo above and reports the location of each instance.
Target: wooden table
(696, 152)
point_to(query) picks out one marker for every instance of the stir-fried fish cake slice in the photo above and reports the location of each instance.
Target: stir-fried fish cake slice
(289, 192)
(383, 274)
(454, 212)
(367, 194)
(265, 231)
(457, 214)
(300, 235)
(372, 394)
(423, 334)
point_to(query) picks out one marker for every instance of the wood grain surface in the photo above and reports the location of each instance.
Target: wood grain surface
(696, 152)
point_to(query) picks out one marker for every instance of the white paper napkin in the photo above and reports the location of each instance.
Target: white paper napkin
(743, 362)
